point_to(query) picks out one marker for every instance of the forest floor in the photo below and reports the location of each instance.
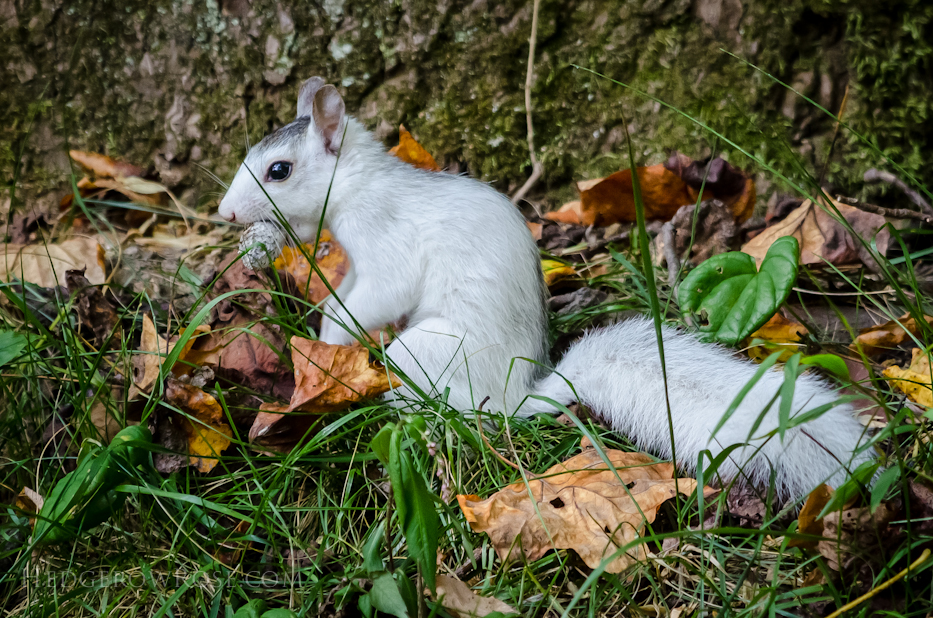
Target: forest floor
(170, 450)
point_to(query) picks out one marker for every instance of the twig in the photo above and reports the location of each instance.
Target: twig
(894, 213)
(832, 144)
(479, 426)
(537, 169)
(916, 563)
(670, 255)
(874, 175)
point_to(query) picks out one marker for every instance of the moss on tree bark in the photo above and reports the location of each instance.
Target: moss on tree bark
(180, 85)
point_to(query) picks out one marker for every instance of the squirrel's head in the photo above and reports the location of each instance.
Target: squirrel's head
(291, 169)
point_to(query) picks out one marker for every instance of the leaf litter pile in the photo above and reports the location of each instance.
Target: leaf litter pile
(190, 369)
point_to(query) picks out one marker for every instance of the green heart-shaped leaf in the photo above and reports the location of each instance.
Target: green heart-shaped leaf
(732, 297)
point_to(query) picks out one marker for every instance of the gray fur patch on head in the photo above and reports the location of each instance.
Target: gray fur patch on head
(288, 133)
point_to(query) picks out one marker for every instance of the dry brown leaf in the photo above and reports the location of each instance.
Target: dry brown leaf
(462, 602)
(876, 339)
(781, 334)
(30, 501)
(536, 229)
(719, 180)
(583, 506)
(47, 265)
(822, 238)
(807, 521)
(242, 347)
(410, 151)
(103, 166)
(155, 348)
(854, 534)
(208, 433)
(328, 378)
(331, 258)
(664, 189)
(915, 381)
(96, 312)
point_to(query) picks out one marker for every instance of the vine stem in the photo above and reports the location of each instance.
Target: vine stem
(537, 169)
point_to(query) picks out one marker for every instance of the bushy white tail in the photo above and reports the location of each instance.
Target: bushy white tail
(616, 372)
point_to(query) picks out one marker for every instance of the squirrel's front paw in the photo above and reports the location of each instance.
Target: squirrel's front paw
(262, 242)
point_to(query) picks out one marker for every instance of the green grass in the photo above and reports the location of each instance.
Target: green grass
(312, 530)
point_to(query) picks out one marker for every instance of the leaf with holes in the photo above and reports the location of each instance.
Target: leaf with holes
(581, 504)
(732, 298)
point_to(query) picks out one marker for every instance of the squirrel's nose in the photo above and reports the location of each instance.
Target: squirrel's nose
(226, 211)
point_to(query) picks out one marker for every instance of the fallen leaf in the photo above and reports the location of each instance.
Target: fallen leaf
(554, 271)
(664, 189)
(822, 238)
(155, 348)
(780, 334)
(536, 229)
(244, 347)
(30, 501)
(876, 339)
(610, 200)
(723, 181)
(716, 231)
(95, 311)
(808, 521)
(328, 378)
(410, 151)
(102, 165)
(915, 381)
(855, 534)
(580, 504)
(462, 602)
(208, 433)
(331, 258)
(46, 265)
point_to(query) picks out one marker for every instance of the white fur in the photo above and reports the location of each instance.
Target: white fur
(454, 257)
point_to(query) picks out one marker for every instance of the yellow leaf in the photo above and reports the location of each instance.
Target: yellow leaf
(554, 271)
(208, 434)
(915, 381)
(580, 504)
(780, 334)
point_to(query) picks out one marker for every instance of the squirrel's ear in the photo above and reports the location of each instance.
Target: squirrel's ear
(306, 95)
(328, 113)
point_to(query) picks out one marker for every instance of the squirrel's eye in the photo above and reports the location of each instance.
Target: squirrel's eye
(278, 171)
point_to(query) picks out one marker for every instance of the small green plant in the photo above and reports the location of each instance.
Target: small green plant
(732, 297)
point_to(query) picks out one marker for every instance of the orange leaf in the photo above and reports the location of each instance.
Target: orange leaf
(876, 339)
(328, 378)
(580, 504)
(807, 520)
(410, 151)
(331, 258)
(610, 200)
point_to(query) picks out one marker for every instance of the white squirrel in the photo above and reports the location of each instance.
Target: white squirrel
(455, 258)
